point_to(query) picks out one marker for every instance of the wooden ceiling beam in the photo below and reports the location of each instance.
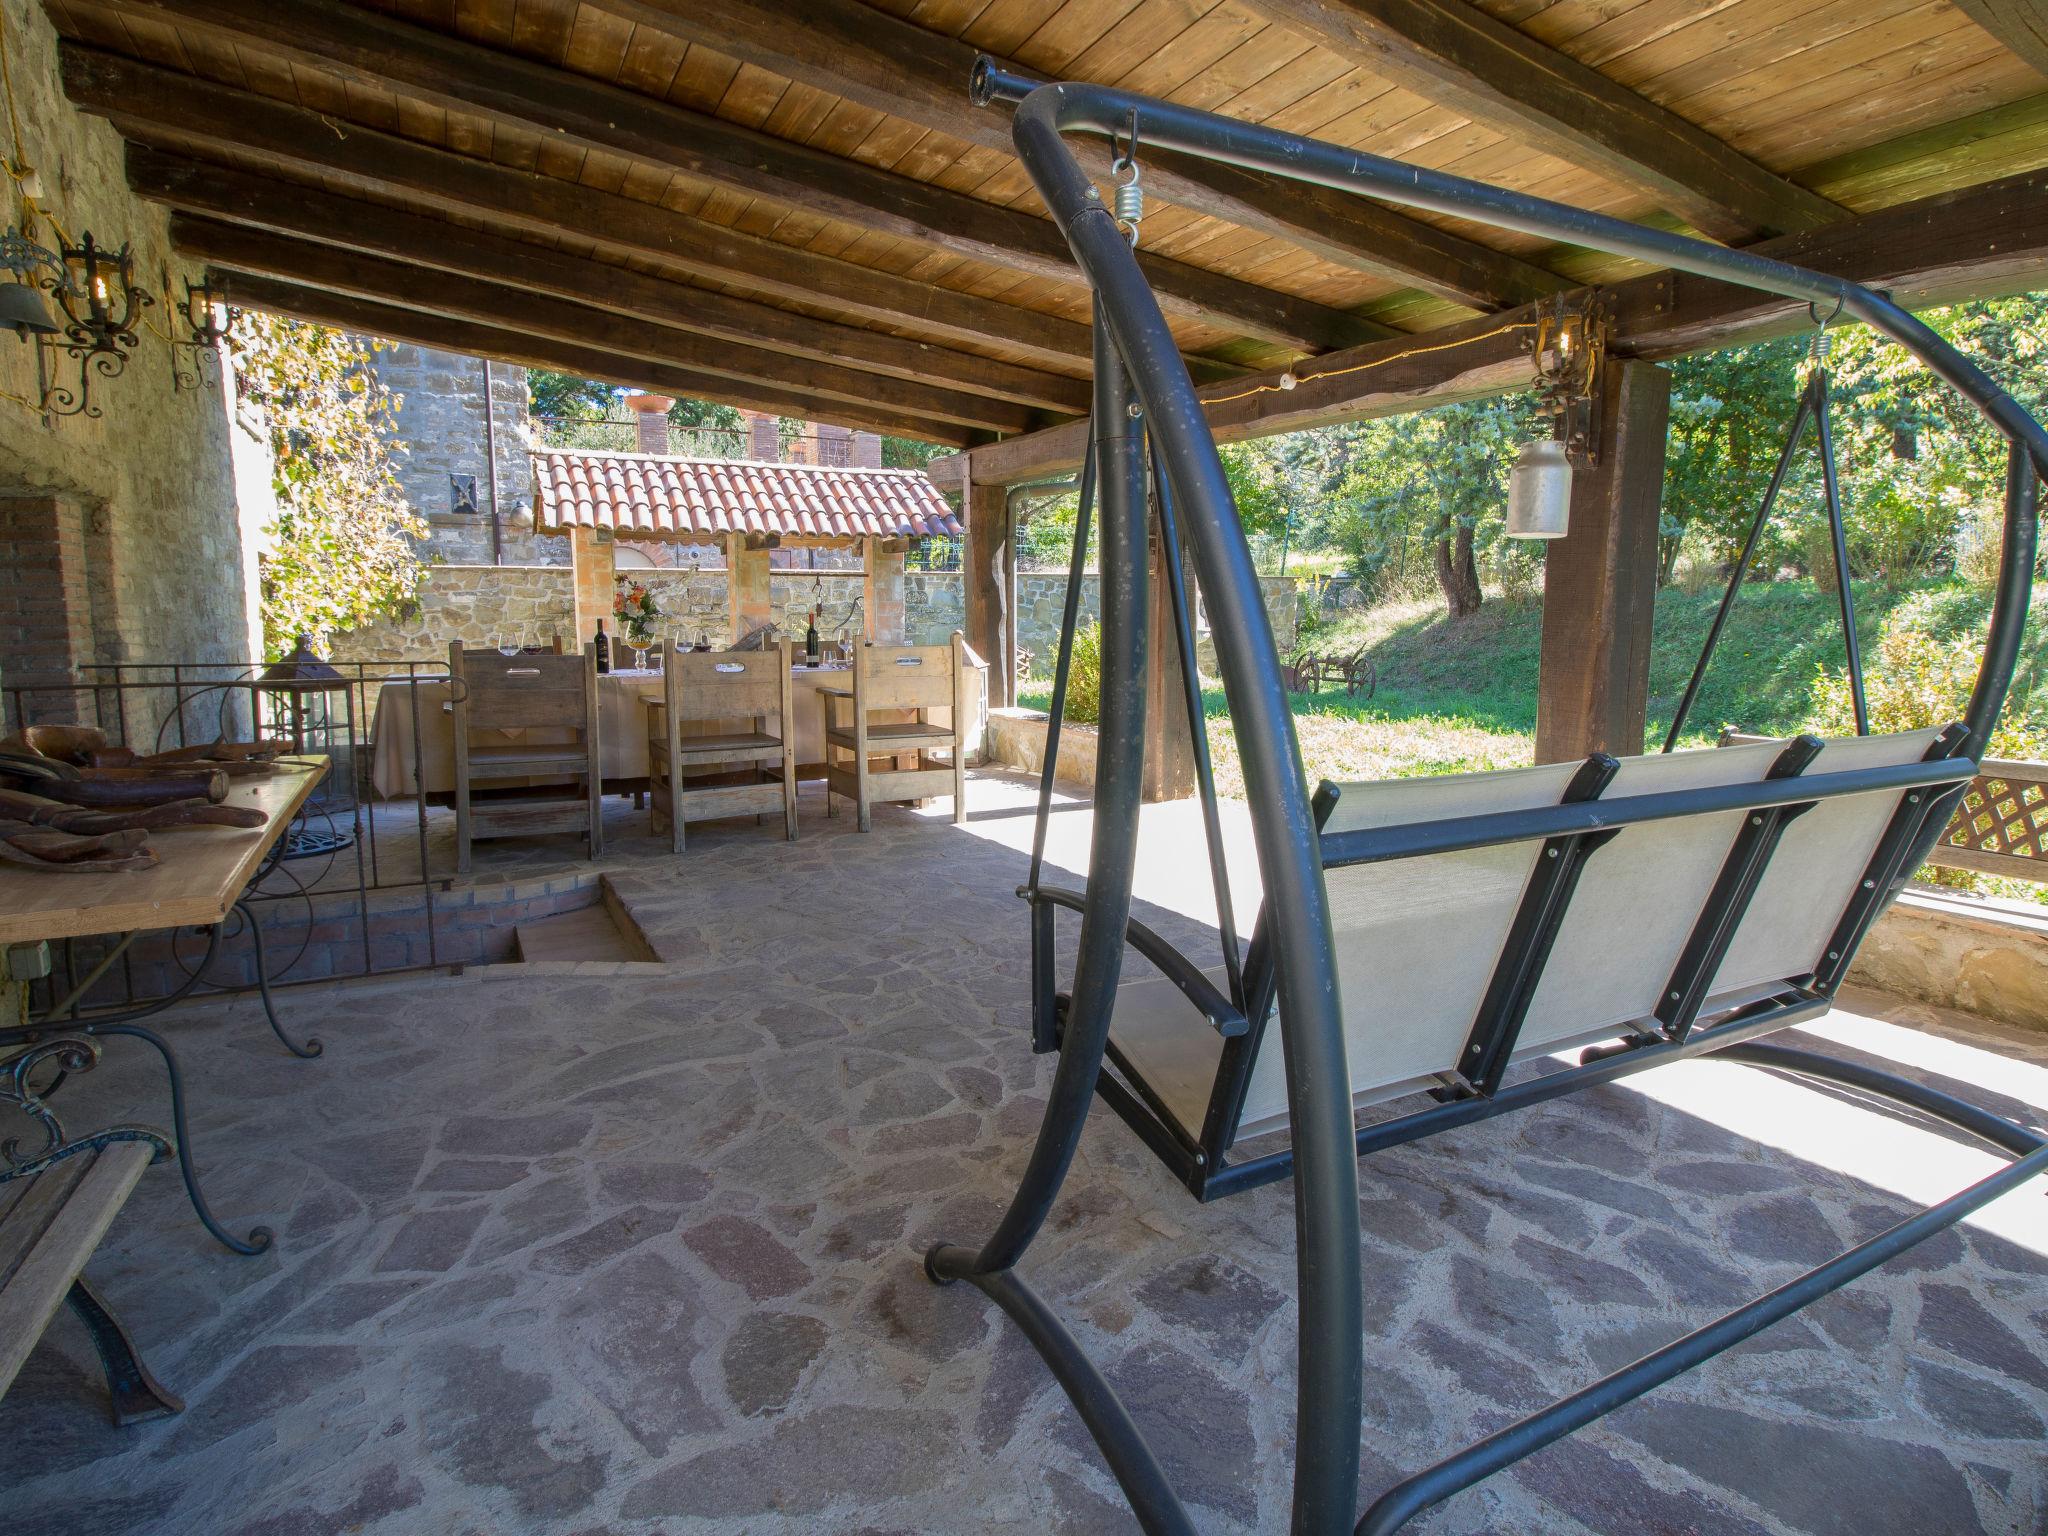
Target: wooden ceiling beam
(284, 207)
(395, 323)
(383, 54)
(2021, 26)
(163, 106)
(244, 249)
(1978, 242)
(1453, 53)
(895, 66)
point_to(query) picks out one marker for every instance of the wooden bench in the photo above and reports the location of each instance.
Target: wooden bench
(50, 1223)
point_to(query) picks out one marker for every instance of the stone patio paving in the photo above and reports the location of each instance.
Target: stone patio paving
(634, 1249)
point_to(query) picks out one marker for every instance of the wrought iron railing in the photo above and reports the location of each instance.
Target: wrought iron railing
(329, 871)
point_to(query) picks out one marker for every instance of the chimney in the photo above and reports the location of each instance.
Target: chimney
(652, 411)
(867, 450)
(764, 436)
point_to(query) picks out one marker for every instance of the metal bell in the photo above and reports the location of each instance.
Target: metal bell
(25, 311)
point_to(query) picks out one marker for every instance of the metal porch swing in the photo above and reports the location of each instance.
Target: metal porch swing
(1745, 876)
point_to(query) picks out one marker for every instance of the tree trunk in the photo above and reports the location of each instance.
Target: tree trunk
(1457, 573)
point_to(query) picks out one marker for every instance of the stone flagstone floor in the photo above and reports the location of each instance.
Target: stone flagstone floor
(634, 1249)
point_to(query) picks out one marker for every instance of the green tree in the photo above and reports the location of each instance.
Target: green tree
(1438, 477)
(910, 452)
(1729, 414)
(343, 550)
(563, 395)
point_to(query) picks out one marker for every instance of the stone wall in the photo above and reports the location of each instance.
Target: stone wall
(477, 604)
(136, 510)
(442, 421)
(530, 604)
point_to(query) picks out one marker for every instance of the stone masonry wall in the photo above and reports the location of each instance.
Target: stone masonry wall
(486, 605)
(477, 604)
(442, 421)
(147, 506)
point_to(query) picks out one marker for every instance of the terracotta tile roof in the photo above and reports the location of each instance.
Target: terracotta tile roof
(652, 494)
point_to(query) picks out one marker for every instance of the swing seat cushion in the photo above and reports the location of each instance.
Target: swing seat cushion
(1418, 940)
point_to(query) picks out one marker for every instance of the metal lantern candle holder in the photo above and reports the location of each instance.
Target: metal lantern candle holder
(100, 304)
(302, 688)
(203, 301)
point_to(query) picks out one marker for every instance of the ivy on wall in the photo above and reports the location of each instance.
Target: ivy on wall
(342, 551)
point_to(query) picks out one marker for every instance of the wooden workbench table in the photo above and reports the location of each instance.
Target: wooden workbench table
(201, 873)
(200, 878)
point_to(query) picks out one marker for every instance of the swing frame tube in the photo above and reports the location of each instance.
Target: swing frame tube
(1139, 372)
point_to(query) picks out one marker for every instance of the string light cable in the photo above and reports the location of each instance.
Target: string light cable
(1290, 379)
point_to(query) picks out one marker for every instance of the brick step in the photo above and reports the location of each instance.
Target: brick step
(586, 934)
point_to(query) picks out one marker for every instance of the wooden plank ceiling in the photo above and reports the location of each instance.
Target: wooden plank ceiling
(790, 204)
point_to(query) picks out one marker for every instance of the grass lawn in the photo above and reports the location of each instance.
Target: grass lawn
(1460, 696)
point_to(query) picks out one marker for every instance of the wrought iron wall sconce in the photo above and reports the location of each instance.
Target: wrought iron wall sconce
(203, 343)
(100, 303)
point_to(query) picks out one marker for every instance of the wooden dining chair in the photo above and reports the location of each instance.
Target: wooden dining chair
(548, 697)
(863, 755)
(744, 764)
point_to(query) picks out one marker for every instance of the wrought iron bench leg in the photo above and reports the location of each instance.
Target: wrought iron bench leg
(260, 1238)
(133, 1394)
(312, 1047)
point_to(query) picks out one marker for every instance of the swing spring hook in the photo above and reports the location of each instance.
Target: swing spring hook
(1130, 191)
(1818, 348)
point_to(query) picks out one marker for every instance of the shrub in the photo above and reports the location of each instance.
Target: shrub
(1084, 676)
(1914, 681)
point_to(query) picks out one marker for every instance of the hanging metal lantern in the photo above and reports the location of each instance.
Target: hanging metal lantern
(1540, 491)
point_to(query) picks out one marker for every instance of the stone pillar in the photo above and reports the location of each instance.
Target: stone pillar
(764, 436)
(867, 450)
(746, 585)
(652, 422)
(1600, 579)
(882, 592)
(985, 558)
(590, 552)
(46, 628)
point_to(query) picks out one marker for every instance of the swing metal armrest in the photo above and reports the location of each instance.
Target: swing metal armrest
(1224, 1016)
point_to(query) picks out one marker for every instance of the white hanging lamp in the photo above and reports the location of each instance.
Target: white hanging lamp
(1540, 491)
(1569, 347)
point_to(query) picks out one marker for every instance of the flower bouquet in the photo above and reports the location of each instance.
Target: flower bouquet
(635, 609)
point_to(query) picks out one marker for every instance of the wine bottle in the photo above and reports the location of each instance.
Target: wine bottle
(604, 649)
(811, 638)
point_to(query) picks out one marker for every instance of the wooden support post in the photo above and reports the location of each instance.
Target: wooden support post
(1169, 744)
(746, 583)
(985, 561)
(1600, 579)
(590, 555)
